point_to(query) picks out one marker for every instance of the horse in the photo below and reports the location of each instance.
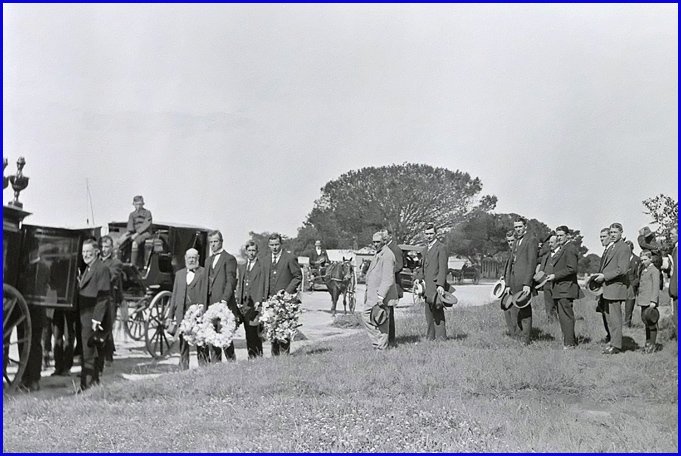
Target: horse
(340, 278)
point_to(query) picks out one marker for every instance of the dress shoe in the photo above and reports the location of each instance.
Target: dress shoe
(649, 348)
(611, 351)
(29, 387)
(605, 340)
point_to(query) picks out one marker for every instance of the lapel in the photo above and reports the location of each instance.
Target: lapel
(218, 265)
(610, 254)
(558, 254)
(194, 281)
(87, 275)
(375, 260)
(431, 252)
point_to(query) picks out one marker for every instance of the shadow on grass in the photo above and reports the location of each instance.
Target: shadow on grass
(629, 344)
(583, 340)
(538, 334)
(407, 339)
(459, 336)
(312, 351)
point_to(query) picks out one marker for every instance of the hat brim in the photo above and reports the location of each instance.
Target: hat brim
(593, 287)
(541, 284)
(447, 299)
(378, 315)
(651, 316)
(498, 289)
(521, 299)
(506, 301)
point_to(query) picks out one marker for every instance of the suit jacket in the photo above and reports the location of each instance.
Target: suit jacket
(222, 281)
(185, 295)
(564, 267)
(116, 269)
(318, 260)
(399, 264)
(649, 286)
(674, 279)
(255, 287)
(435, 269)
(94, 289)
(286, 274)
(380, 279)
(614, 267)
(523, 263)
(139, 222)
(544, 263)
(633, 274)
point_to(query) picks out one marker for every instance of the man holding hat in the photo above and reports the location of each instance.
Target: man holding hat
(435, 271)
(519, 276)
(613, 273)
(399, 265)
(138, 229)
(544, 265)
(564, 287)
(380, 289)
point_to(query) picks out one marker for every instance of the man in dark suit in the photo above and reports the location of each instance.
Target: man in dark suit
(190, 287)
(63, 321)
(282, 274)
(221, 270)
(633, 274)
(544, 264)
(250, 293)
(319, 258)
(510, 314)
(673, 280)
(604, 236)
(519, 274)
(399, 264)
(435, 274)
(116, 269)
(138, 230)
(93, 309)
(564, 287)
(613, 274)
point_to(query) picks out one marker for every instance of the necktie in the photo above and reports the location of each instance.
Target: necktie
(190, 276)
(250, 265)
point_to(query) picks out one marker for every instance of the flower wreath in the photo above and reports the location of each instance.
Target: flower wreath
(218, 326)
(189, 327)
(280, 317)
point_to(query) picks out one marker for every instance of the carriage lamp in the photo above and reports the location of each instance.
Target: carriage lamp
(19, 182)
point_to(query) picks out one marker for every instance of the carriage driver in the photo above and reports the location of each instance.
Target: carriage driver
(319, 259)
(138, 229)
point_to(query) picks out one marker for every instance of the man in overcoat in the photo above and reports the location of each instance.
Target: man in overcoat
(399, 264)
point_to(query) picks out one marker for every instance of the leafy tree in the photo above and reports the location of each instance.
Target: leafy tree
(665, 212)
(262, 239)
(589, 264)
(400, 197)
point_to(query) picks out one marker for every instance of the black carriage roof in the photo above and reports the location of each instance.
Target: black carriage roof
(166, 225)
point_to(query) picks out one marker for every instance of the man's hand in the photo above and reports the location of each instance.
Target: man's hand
(507, 290)
(97, 325)
(653, 304)
(550, 277)
(526, 288)
(440, 290)
(599, 277)
(134, 235)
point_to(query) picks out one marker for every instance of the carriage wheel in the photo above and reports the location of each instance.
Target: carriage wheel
(135, 319)
(159, 342)
(16, 340)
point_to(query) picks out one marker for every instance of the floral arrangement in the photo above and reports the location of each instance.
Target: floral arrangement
(280, 317)
(189, 328)
(216, 326)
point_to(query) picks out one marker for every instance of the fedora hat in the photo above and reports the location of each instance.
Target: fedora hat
(447, 299)
(650, 316)
(506, 301)
(594, 287)
(645, 231)
(522, 299)
(378, 315)
(539, 279)
(498, 289)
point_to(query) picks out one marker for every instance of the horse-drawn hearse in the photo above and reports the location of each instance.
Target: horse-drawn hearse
(40, 270)
(147, 290)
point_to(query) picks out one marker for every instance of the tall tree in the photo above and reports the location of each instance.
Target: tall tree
(400, 197)
(664, 211)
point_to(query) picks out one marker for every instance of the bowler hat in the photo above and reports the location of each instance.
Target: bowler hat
(379, 315)
(594, 287)
(138, 199)
(447, 299)
(506, 301)
(522, 299)
(498, 289)
(539, 279)
(650, 315)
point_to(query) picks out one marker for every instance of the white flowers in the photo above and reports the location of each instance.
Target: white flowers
(280, 315)
(216, 326)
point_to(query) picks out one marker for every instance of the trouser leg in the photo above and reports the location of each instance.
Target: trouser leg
(614, 317)
(377, 334)
(184, 354)
(524, 323)
(566, 317)
(629, 311)
(89, 373)
(549, 305)
(391, 326)
(253, 342)
(435, 321)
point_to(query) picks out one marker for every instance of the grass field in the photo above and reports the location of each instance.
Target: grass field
(478, 391)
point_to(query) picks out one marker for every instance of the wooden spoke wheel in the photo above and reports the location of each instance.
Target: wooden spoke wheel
(16, 340)
(135, 319)
(158, 341)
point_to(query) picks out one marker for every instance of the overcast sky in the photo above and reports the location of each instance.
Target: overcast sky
(234, 116)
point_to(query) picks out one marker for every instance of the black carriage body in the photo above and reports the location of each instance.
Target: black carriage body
(43, 262)
(168, 245)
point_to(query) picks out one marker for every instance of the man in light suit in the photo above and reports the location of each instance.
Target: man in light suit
(380, 289)
(399, 264)
(613, 273)
(519, 274)
(282, 274)
(221, 272)
(564, 287)
(93, 309)
(250, 293)
(435, 269)
(673, 280)
(190, 287)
